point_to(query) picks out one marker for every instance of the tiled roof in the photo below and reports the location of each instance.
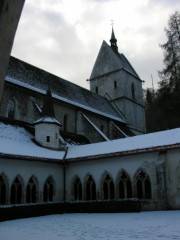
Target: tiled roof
(37, 78)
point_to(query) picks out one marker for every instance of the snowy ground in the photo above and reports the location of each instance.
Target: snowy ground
(144, 225)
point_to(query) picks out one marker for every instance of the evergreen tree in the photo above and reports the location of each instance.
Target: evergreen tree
(163, 110)
(170, 75)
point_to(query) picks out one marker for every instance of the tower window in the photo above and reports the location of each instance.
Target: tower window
(96, 89)
(133, 91)
(102, 128)
(11, 109)
(48, 139)
(115, 84)
(65, 122)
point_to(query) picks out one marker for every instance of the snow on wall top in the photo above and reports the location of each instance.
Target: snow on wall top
(15, 140)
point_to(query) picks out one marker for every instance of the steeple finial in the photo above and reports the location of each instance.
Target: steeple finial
(48, 107)
(113, 40)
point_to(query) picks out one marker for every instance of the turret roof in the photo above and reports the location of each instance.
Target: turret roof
(48, 107)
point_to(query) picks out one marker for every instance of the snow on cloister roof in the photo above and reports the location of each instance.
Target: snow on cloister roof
(17, 141)
(140, 143)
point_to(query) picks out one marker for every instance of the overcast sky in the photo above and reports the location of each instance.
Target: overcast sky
(64, 36)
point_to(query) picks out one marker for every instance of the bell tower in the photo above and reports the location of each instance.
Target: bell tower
(114, 77)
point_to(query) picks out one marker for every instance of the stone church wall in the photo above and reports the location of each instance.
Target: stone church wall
(28, 104)
(85, 128)
(24, 100)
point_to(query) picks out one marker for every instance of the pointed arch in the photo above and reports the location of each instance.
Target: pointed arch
(97, 91)
(65, 122)
(11, 108)
(90, 188)
(32, 190)
(124, 186)
(77, 188)
(49, 189)
(177, 179)
(142, 185)
(133, 91)
(17, 188)
(3, 189)
(108, 190)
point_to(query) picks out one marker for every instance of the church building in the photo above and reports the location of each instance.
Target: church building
(60, 142)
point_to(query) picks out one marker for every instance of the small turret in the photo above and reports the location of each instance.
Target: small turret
(47, 128)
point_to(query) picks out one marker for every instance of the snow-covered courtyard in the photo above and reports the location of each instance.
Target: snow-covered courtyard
(144, 225)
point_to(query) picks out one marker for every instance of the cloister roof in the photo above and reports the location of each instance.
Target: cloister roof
(17, 142)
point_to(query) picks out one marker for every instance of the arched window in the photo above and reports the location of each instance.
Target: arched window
(139, 187)
(105, 190)
(108, 188)
(3, 190)
(90, 189)
(97, 90)
(48, 191)
(124, 185)
(143, 185)
(121, 189)
(16, 191)
(65, 122)
(115, 84)
(77, 187)
(147, 186)
(102, 127)
(11, 109)
(31, 191)
(133, 91)
(129, 188)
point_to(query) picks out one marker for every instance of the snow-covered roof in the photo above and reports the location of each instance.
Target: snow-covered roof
(15, 140)
(129, 145)
(47, 119)
(35, 79)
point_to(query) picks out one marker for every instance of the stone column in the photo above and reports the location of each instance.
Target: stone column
(10, 12)
(161, 181)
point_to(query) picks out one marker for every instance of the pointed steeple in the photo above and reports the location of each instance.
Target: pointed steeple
(113, 41)
(48, 107)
